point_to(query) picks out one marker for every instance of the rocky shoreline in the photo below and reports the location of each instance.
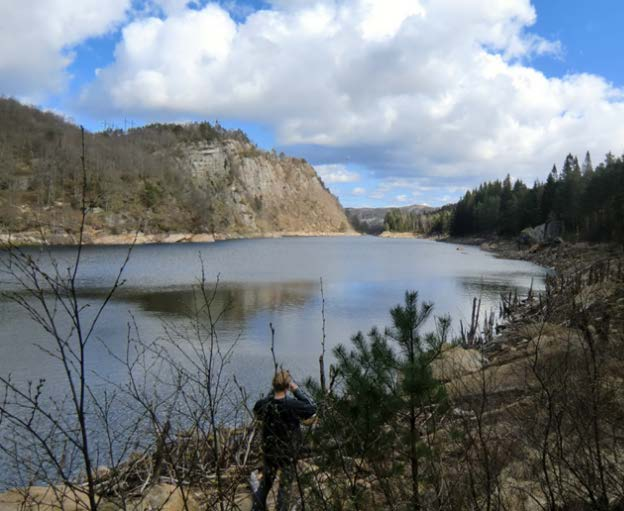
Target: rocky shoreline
(34, 238)
(562, 257)
(400, 235)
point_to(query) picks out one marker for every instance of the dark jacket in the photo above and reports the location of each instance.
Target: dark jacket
(281, 418)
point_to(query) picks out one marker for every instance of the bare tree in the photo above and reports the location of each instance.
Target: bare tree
(60, 433)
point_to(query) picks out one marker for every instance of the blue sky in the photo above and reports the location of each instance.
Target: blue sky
(590, 33)
(395, 102)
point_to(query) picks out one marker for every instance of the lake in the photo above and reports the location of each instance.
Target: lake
(264, 281)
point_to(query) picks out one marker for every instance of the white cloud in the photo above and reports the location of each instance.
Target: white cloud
(401, 198)
(429, 88)
(382, 20)
(37, 36)
(358, 191)
(336, 173)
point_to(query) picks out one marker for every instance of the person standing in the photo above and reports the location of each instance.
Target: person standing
(281, 416)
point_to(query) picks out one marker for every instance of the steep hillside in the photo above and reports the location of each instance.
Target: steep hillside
(160, 179)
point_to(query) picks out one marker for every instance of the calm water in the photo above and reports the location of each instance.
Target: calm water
(265, 281)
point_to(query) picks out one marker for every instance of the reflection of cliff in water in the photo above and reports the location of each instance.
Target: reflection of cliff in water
(238, 301)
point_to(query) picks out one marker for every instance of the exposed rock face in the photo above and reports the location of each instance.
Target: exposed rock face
(262, 192)
(544, 233)
(529, 236)
(166, 181)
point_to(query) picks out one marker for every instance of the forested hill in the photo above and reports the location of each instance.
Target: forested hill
(588, 202)
(585, 203)
(195, 178)
(372, 220)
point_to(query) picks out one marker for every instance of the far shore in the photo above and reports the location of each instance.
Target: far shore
(500, 247)
(401, 235)
(35, 238)
(99, 238)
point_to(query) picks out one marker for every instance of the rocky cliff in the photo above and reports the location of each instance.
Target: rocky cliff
(168, 181)
(261, 191)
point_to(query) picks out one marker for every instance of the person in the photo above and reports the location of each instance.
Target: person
(282, 440)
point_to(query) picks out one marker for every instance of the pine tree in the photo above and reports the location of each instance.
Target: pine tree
(507, 224)
(568, 197)
(589, 202)
(419, 390)
(387, 389)
(588, 168)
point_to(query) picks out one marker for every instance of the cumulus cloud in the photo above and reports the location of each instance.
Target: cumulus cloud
(408, 88)
(336, 173)
(37, 36)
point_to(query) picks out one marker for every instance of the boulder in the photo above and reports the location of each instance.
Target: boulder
(553, 230)
(455, 362)
(548, 233)
(529, 236)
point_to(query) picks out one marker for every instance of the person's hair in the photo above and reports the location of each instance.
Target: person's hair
(281, 381)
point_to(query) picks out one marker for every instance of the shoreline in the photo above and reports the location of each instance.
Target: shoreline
(556, 257)
(401, 235)
(563, 258)
(37, 239)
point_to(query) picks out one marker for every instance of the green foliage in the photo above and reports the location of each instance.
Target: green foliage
(129, 171)
(152, 194)
(384, 391)
(587, 201)
(419, 222)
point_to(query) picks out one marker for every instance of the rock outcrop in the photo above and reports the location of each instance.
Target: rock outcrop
(169, 182)
(262, 192)
(545, 233)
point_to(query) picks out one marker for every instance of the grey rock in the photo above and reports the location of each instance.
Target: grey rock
(543, 233)
(529, 236)
(261, 192)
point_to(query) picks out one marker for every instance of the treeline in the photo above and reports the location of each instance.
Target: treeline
(587, 202)
(134, 174)
(428, 223)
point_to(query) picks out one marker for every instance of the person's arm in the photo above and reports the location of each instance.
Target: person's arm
(302, 405)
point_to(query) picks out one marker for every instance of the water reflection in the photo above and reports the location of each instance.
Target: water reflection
(236, 304)
(267, 281)
(493, 286)
(236, 299)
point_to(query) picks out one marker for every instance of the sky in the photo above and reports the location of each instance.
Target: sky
(394, 102)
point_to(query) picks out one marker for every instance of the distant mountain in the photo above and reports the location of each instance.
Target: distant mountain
(162, 178)
(371, 220)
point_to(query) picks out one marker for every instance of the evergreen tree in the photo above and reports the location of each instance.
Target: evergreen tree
(589, 202)
(548, 196)
(568, 198)
(529, 210)
(588, 168)
(386, 391)
(507, 225)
